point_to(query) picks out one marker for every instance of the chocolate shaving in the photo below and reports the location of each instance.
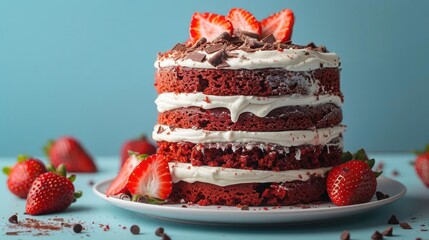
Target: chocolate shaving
(178, 47)
(405, 225)
(214, 48)
(223, 65)
(388, 232)
(200, 42)
(223, 36)
(255, 44)
(269, 39)
(218, 58)
(197, 57)
(249, 34)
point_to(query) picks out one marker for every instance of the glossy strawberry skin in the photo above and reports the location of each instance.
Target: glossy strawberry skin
(209, 26)
(22, 176)
(141, 145)
(351, 183)
(151, 178)
(49, 193)
(119, 184)
(244, 21)
(68, 151)
(422, 168)
(279, 24)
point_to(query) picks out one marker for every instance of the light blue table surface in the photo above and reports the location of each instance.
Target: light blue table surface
(95, 214)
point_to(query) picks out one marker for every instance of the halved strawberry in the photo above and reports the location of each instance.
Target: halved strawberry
(244, 21)
(279, 24)
(209, 26)
(119, 184)
(151, 178)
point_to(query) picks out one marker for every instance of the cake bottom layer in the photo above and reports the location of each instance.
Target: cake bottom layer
(251, 194)
(252, 155)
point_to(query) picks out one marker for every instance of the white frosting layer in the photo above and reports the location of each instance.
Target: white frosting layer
(320, 136)
(229, 176)
(289, 59)
(260, 106)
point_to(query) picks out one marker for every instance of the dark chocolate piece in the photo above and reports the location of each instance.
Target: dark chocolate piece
(380, 195)
(255, 44)
(405, 225)
(77, 228)
(377, 236)
(345, 235)
(214, 48)
(178, 47)
(218, 58)
(197, 57)
(135, 229)
(223, 65)
(13, 219)
(249, 34)
(393, 220)
(388, 232)
(199, 42)
(159, 231)
(269, 39)
(223, 36)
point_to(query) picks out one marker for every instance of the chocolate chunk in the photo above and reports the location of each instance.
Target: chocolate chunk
(244, 207)
(13, 219)
(388, 232)
(165, 237)
(269, 39)
(393, 220)
(214, 48)
(135, 229)
(223, 65)
(380, 195)
(255, 44)
(218, 58)
(405, 225)
(249, 34)
(377, 236)
(199, 42)
(159, 232)
(345, 235)
(223, 36)
(178, 47)
(197, 57)
(77, 228)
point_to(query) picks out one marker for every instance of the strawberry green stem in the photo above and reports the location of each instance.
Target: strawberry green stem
(22, 158)
(72, 178)
(6, 170)
(51, 168)
(61, 170)
(78, 194)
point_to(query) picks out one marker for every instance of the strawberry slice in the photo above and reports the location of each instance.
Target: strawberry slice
(279, 24)
(244, 21)
(209, 26)
(151, 178)
(119, 184)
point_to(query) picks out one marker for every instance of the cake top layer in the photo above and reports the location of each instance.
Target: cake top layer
(239, 41)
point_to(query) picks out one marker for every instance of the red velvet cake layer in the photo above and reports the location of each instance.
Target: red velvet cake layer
(280, 119)
(251, 194)
(256, 82)
(245, 156)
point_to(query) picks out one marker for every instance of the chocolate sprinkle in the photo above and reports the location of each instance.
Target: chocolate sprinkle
(345, 235)
(159, 232)
(214, 48)
(269, 39)
(377, 236)
(218, 58)
(405, 225)
(388, 232)
(393, 220)
(197, 57)
(77, 228)
(135, 229)
(13, 219)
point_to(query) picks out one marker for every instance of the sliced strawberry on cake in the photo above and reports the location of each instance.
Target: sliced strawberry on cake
(279, 24)
(151, 179)
(119, 184)
(209, 26)
(244, 21)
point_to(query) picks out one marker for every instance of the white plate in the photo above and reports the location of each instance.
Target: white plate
(256, 215)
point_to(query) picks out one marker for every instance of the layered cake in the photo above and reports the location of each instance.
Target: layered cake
(246, 117)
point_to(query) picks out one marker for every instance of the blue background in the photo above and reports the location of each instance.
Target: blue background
(85, 68)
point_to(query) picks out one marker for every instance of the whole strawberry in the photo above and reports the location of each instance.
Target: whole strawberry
(140, 145)
(51, 192)
(22, 174)
(422, 166)
(352, 182)
(68, 151)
